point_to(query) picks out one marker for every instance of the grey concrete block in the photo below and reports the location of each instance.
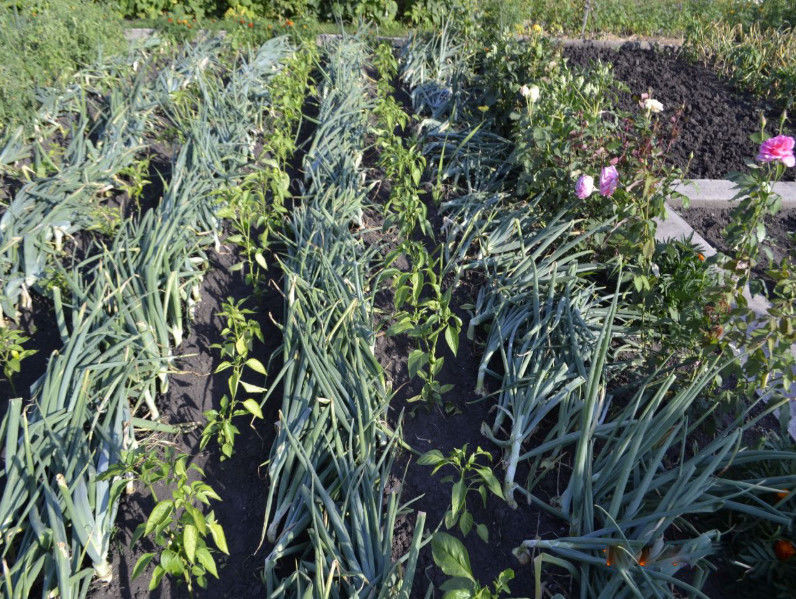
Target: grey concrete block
(719, 193)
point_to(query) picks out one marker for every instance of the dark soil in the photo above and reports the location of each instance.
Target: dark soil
(193, 389)
(710, 224)
(717, 118)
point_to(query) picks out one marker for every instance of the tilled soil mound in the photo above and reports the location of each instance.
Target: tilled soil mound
(717, 118)
(711, 222)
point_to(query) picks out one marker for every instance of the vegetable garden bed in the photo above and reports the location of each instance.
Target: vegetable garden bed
(394, 323)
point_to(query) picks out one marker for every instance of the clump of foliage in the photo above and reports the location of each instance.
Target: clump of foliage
(12, 352)
(678, 303)
(42, 42)
(453, 559)
(239, 335)
(471, 475)
(177, 525)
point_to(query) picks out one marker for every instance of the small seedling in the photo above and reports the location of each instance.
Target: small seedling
(240, 335)
(470, 476)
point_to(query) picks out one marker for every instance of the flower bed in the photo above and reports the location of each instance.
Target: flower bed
(717, 119)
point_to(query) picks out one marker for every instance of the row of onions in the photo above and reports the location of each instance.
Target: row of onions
(330, 510)
(104, 116)
(638, 475)
(120, 321)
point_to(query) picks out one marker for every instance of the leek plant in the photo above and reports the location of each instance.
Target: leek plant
(329, 509)
(125, 313)
(628, 493)
(641, 478)
(49, 208)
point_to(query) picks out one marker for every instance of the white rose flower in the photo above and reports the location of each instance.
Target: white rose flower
(653, 105)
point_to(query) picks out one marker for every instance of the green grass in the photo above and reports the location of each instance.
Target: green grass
(624, 17)
(43, 43)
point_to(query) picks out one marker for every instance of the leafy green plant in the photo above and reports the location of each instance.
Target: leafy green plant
(134, 178)
(13, 352)
(43, 42)
(291, 87)
(471, 475)
(177, 525)
(679, 307)
(256, 210)
(452, 558)
(240, 335)
(424, 312)
(423, 309)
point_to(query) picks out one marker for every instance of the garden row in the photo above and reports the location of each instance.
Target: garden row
(579, 313)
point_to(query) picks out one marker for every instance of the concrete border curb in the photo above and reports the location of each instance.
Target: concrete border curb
(136, 33)
(719, 193)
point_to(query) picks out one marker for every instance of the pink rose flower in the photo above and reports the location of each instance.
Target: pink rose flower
(609, 179)
(779, 148)
(584, 187)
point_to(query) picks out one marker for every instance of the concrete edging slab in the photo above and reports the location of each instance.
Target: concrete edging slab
(719, 193)
(135, 33)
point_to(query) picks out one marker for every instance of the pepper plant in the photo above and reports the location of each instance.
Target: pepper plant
(12, 352)
(424, 312)
(451, 556)
(471, 475)
(240, 334)
(177, 526)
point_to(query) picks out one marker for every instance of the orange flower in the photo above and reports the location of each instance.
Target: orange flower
(289, 23)
(610, 556)
(644, 557)
(701, 257)
(784, 550)
(169, 19)
(251, 25)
